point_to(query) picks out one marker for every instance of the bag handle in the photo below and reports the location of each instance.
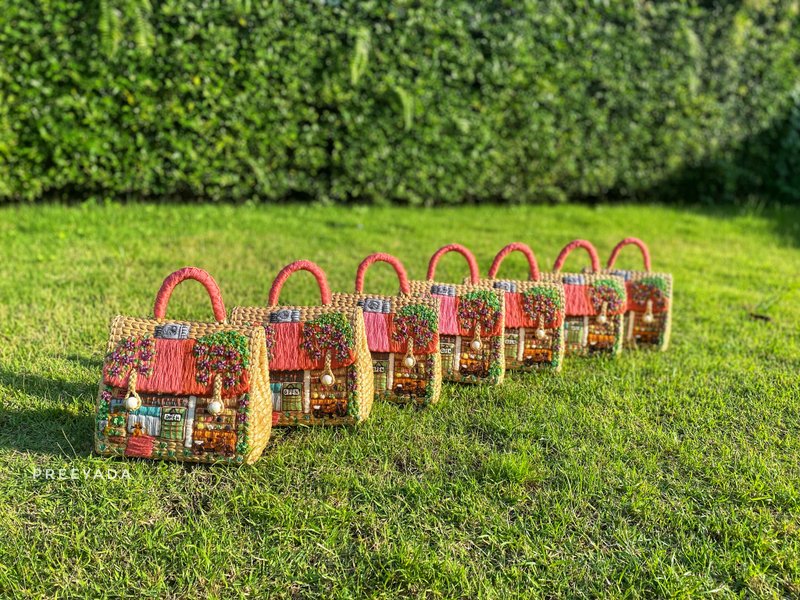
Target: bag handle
(473, 264)
(300, 265)
(577, 244)
(519, 247)
(627, 241)
(165, 292)
(402, 275)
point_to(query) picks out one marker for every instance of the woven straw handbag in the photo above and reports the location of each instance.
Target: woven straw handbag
(595, 302)
(403, 337)
(184, 390)
(534, 317)
(648, 317)
(471, 319)
(320, 367)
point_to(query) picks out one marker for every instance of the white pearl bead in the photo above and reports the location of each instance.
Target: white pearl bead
(215, 407)
(327, 379)
(648, 318)
(132, 403)
(540, 333)
(409, 361)
(602, 319)
(476, 345)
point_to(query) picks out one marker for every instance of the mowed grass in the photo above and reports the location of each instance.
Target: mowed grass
(670, 474)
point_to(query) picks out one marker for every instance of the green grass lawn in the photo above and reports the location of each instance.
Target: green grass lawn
(675, 474)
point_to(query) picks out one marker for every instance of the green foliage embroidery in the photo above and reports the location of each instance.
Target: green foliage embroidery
(329, 332)
(487, 296)
(651, 288)
(542, 301)
(479, 307)
(546, 292)
(416, 322)
(617, 286)
(224, 353)
(103, 410)
(655, 282)
(610, 291)
(497, 360)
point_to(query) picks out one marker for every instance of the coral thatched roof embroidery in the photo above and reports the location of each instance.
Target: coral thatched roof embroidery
(302, 346)
(174, 371)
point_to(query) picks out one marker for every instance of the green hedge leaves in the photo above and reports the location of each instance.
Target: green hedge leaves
(412, 101)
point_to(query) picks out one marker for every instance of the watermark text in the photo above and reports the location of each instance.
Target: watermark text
(75, 474)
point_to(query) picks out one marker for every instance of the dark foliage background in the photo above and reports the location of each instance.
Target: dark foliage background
(410, 101)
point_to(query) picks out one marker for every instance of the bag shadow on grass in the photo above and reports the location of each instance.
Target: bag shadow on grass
(56, 423)
(94, 363)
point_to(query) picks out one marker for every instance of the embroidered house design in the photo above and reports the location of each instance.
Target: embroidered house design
(471, 341)
(647, 321)
(403, 338)
(534, 323)
(175, 396)
(594, 308)
(315, 373)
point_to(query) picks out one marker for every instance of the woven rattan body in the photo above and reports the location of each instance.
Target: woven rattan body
(321, 370)
(647, 321)
(595, 304)
(471, 322)
(184, 390)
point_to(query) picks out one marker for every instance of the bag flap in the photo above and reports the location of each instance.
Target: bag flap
(644, 286)
(299, 337)
(527, 301)
(391, 321)
(464, 306)
(178, 357)
(585, 293)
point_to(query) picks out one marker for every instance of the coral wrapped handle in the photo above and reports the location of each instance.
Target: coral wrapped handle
(562, 257)
(300, 265)
(473, 264)
(630, 241)
(519, 247)
(164, 294)
(402, 275)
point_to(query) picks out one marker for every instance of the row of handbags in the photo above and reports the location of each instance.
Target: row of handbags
(211, 392)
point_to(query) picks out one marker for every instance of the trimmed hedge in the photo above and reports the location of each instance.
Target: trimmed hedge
(411, 101)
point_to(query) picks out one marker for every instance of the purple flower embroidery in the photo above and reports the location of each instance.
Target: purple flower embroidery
(132, 354)
(327, 333)
(415, 322)
(480, 307)
(224, 354)
(608, 291)
(649, 289)
(541, 302)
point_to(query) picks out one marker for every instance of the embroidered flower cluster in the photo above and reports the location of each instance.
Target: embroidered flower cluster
(132, 354)
(415, 322)
(330, 332)
(269, 333)
(479, 307)
(609, 291)
(241, 419)
(650, 288)
(542, 302)
(223, 354)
